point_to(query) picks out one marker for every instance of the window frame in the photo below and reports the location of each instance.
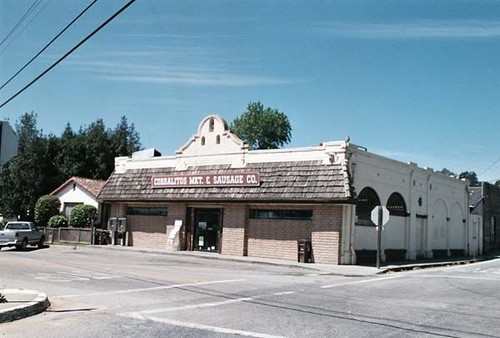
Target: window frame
(147, 211)
(281, 214)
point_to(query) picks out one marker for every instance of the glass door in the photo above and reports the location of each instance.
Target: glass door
(208, 229)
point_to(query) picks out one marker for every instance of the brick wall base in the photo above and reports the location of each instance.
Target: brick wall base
(241, 236)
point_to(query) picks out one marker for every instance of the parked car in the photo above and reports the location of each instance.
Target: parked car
(20, 235)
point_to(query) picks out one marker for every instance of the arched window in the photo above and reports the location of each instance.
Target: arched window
(203, 140)
(211, 125)
(217, 139)
(367, 200)
(396, 205)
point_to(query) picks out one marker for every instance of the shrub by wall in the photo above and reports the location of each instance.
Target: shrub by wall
(58, 221)
(82, 216)
(46, 207)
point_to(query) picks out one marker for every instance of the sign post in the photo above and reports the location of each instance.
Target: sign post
(379, 216)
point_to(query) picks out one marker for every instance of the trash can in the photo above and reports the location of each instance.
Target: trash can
(304, 250)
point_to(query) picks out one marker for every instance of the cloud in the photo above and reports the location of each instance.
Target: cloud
(414, 29)
(200, 79)
(183, 66)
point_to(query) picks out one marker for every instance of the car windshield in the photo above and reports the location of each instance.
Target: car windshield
(17, 226)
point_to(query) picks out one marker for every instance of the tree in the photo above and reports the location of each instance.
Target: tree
(262, 128)
(91, 152)
(82, 215)
(125, 139)
(99, 159)
(71, 158)
(22, 180)
(44, 162)
(46, 207)
(447, 172)
(471, 176)
(497, 183)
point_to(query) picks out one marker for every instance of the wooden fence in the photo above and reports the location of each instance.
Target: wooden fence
(68, 235)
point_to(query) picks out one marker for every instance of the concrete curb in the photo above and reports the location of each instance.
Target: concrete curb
(419, 266)
(322, 269)
(21, 304)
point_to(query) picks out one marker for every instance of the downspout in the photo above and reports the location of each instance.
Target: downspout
(410, 253)
(350, 214)
(427, 252)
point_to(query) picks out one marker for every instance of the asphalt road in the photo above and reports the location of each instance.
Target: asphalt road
(107, 293)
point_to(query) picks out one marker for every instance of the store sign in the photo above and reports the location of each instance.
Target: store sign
(218, 180)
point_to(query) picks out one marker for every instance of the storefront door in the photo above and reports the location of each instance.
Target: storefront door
(207, 229)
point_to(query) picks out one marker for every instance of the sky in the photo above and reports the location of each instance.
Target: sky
(411, 80)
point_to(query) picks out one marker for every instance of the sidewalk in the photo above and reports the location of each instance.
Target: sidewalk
(22, 303)
(314, 268)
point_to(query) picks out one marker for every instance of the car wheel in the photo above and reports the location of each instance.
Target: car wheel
(23, 245)
(41, 243)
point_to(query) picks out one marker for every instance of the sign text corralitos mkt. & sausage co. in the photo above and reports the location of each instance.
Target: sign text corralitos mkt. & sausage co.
(207, 180)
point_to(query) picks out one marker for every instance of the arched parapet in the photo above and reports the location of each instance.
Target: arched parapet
(213, 137)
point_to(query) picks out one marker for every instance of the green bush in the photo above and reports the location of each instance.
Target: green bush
(82, 216)
(58, 221)
(46, 207)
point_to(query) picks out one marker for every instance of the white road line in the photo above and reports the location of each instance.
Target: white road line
(211, 328)
(457, 277)
(174, 286)
(380, 279)
(140, 314)
(283, 293)
(189, 307)
(143, 315)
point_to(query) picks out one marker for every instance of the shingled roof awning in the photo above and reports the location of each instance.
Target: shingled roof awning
(309, 182)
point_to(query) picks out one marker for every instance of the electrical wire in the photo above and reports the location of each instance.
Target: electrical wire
(26, 26)
(48, 44)
(69, 52)
(490, 166)
(35, 4)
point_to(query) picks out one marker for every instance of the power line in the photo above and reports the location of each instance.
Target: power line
(48, 44)
(69, 52)
(490, 166)
(26, 26)
(26, 14)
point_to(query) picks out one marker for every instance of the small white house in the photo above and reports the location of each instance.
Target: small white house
(78, 190)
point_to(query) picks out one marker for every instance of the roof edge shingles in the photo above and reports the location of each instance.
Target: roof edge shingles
(307, 181)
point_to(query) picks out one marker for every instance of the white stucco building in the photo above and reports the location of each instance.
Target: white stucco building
(428, 210)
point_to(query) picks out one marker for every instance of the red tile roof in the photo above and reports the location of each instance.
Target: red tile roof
(92, 186)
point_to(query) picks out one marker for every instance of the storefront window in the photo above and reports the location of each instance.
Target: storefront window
(147, 211)
(281, 214)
